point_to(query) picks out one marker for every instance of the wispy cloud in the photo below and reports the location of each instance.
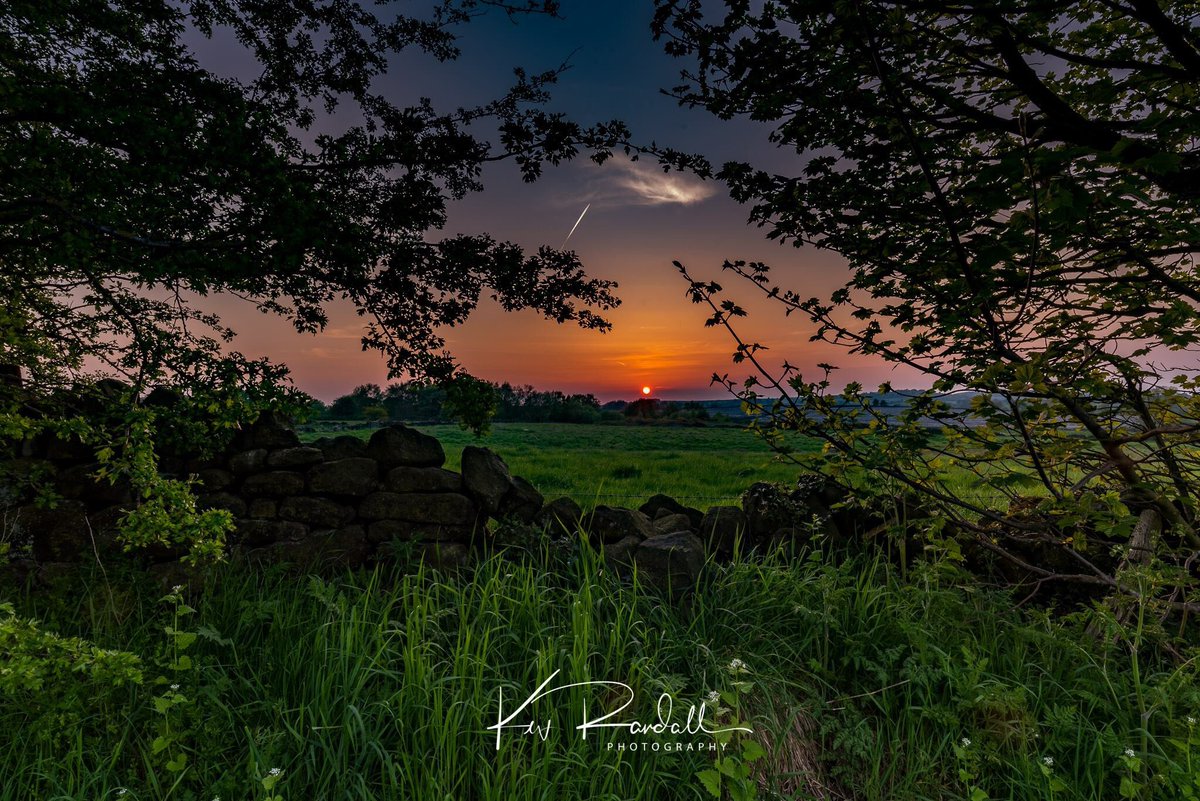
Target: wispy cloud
(644, 183)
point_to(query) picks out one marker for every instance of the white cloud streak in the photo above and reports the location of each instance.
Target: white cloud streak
(645, 184)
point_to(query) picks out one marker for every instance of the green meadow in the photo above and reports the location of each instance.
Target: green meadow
(623, 465)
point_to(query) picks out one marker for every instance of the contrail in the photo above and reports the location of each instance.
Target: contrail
(576, 225)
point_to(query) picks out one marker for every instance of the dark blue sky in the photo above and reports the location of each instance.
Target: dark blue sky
(639, 221)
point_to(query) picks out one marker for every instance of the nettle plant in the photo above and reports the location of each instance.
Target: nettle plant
(1014, 188)
(63, 684)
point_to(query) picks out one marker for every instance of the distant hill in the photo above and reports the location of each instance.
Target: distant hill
(888, 402)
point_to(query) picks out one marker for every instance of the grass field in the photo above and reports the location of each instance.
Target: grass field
(624, 465)
(857, 679)
(855, 682)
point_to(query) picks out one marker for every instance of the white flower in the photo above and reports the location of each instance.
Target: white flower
(1049, 760)
(274, 771)
(216, 798)
(175, 687)
(121, 791)
(736, 664)
(1191, 721)
(966, 742)
(1128, 752)
(177, 588)
(713, 697)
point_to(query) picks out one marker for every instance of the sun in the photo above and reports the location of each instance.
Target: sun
(645, 390)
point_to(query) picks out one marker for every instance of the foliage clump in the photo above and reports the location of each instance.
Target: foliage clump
(1021, 237)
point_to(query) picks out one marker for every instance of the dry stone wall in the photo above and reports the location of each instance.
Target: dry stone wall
(337, 499)
(349, 502)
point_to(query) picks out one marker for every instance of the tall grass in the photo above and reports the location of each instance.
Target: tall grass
(383, 685)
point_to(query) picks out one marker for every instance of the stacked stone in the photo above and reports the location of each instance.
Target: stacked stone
(341, 499)
(344, 501)
(81, 521)
(668, 542)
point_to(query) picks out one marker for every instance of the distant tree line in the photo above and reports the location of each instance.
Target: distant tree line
(513, 404)
(413, 401)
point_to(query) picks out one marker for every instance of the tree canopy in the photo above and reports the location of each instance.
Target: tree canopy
(1014, 187)
(135, 180)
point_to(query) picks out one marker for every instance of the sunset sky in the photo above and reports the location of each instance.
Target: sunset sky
(640, 219)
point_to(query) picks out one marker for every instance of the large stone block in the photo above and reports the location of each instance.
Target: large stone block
(222, 500)
(608, 524)
(213, 479)
(618, 556)
(400, 445)
(317, 512)
(721, 527)
(381, 531)
(670, 523)
(264, 532)
(445, 557)
(671, 562)
(659, 504)
(79, 482)
(301, 456)
(353, 477)
(486, 477)
(436, 508)
(423, 479)
(521, 502)
(269, 431)
(262, 508)
(248, 462)
(772, 509)
(343, 547)
(275, 483)
(559, 516)
(341, 447)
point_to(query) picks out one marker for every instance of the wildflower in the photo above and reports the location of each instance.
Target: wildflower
(1191, 721)
(175, 687)
(1049, 761)
(178, 588)
(713, 697)
(736, 664)
(121, 791)
(274, 771)
(966, 742)
(1129, 752)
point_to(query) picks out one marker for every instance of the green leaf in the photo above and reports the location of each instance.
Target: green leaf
(752, 751)
(711, 781)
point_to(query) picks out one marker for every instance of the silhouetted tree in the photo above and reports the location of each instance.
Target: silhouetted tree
(1014, 186)
(135, 181)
